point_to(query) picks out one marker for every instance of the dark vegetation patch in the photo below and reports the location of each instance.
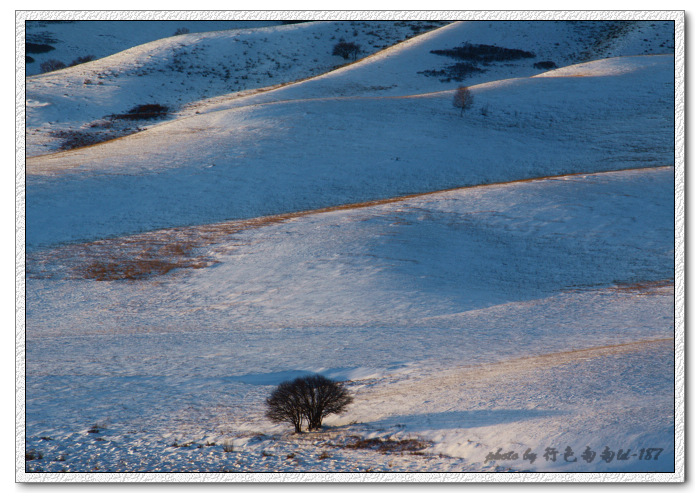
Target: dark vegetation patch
(32, 455)
(112, 127)
(597, 37)
(134, 257)
(51, 65)
(346, 50)
(457, 72)
(483, 53)
(545, 65)
(144, 112)
(419, 27)
(76, 138)
(34, 48)
(82, 59)
(386, 446)
(137, 268)
(470, 56)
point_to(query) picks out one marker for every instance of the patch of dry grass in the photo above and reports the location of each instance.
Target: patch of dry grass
(410, 445)
(644, 287)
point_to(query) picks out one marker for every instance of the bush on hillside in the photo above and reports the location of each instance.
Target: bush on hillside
(51, 65)
(545, 65)
(144, 112)
(309, 398)
(346, 50)
(82, 59)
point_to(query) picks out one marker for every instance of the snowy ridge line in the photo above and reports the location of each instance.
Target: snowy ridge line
(281, 217)
(396, 199)
(559, 73)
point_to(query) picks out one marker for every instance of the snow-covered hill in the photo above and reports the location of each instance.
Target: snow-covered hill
(493, 281)
(66, 41)
(287, 156)
(178, 71)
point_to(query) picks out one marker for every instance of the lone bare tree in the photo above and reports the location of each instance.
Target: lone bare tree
(311, 397)
(346, 49)
(462, 99)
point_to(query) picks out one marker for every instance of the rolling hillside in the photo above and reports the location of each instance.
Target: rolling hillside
(496, 281)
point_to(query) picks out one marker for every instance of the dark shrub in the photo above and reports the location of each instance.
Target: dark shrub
(33, 48)
(346, 49)
(182, 31)
(286, 405)
(545, 65)
(140, 112)
(312, 398)
(82, 59)
(457, 72)
(51, 65)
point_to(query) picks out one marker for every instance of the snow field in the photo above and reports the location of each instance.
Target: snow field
(524, 301)
(363, 294)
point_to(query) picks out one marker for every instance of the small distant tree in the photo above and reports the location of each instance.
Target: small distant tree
(311, 397)
(462, 99)
(346, 49)
(182, 31)
(51, 65)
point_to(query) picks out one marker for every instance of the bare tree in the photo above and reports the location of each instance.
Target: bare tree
(287, 404)
(51, 65)
(462, 99)
(346, 49)
(82, 59)
(324, 397)
(312, 398)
